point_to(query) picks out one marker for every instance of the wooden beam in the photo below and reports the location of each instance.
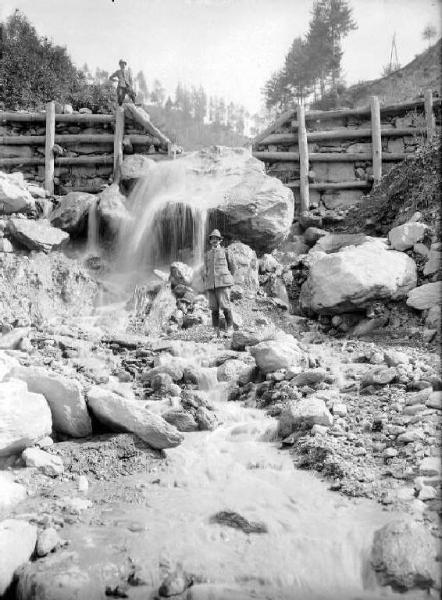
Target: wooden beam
(49, 147)
(329, 157)
(339, 134)
(286, 116)
(429, 116)
(344, 185)
(17, 117)
(141, 118)
(303, 159)
(118, 143)
(376, 140)
(80, 138)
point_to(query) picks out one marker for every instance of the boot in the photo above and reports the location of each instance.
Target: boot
(215, 321)
(229, 321)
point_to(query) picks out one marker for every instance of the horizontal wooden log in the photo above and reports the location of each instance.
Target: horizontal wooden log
(80, 138)
(328, 156)
(140, 117)
(280, 121)
(17, 117)
(344, 185)
(340, 134)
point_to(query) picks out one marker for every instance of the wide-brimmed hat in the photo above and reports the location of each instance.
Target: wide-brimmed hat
(122, 61)
(216, 234)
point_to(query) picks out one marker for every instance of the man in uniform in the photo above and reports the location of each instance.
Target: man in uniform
(219, 268)
(124, 83)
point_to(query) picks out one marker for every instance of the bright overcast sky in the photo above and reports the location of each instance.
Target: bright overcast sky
(229, 46)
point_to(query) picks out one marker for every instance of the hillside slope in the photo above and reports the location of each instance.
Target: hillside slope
(408, 83)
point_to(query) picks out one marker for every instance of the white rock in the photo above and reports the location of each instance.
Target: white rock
(425, 296)
(430, 466)
(405, 236)
(25, 417)
(14, 197)
(11, 493)
(340, 410)
(49, 464)
(427, 493)
(231, 369)
(112, 209)
(75, 505)
(308, 411)
(279, 353)
(319, 429)
(12, 339)
(83, 484)
(355, 276)
(6, 246)
(126, 415)
(434, 400)
(37, 235)
(71, 213)
(17, 543)
(64, 396)
(47, 540)
(433, 263)
(393, 358)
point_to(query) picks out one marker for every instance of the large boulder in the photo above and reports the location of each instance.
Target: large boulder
(64, 396)
(112, 209)
(25, 417)
(180, 274)
(17, 544)
(71, 214)
(136, 166)
(14, 197)
(354, 277)
(120, 414)
(403, 237)
(7, 363)
(250, 205)
(37, 235)
(425, 296)
(278, 353)
(404, 555)
(246, 266)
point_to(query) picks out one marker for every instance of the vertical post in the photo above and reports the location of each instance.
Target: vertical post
(429, 117)
(49, 145)
(118, 142)
(376, 140)
(303, 160)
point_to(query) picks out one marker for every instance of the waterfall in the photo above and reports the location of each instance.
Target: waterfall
(93, 228)
(170, 211)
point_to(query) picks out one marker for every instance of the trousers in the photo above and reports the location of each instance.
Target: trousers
(121, 94)
(219, 298)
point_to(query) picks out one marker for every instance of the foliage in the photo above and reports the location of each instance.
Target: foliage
(313, 63)
(98, 97)
(33, 70)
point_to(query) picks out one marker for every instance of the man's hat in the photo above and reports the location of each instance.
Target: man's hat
(215, 233)
(122, 61)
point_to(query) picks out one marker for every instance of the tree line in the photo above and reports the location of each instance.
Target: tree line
(312, 66)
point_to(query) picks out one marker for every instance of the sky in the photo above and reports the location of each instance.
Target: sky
(230, 47)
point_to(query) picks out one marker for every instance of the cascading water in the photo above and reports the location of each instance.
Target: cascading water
(169, 210)
(93, 229)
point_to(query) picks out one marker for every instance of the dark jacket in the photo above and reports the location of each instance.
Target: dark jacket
(219, 267)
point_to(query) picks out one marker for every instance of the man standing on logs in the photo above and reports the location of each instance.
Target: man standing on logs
(219, 268)
(124, 83)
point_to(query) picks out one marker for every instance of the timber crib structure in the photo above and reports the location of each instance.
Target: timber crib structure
(330, 157)
(78, 151)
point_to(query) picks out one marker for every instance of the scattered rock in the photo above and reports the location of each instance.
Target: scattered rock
(14, 197)
(37, 235)
(425, 296)
(180, 419)
(112, 210)
(11, 493)
(71, 213)
(47, 541)
(127, 415)
(64, 396)
(17, 543)
(25, 417)
(237, 521)
(404, 555)
(49, 464)
(305, 412)
(278, 353)
(403, 237)
(175, 583)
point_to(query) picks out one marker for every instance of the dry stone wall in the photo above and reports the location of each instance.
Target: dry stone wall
(406, 133)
